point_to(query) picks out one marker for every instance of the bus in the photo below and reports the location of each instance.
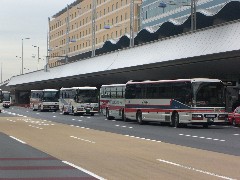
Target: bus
(46, 99)
(79, 100)
(35, 99)
(1, 100)
(198, 101)
(6, 99)
(112, 101)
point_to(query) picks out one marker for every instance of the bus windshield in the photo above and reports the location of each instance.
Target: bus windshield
(87, 96)
(209, 94)
(50, 96)
(6, 96)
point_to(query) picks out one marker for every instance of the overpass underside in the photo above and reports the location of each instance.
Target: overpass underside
(224, 66)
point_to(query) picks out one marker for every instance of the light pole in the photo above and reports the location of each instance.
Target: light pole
(93, 26)
(1, 72)
(37, 56)
(22, 53)
(132, 23)
(193, 15)
(67, 34)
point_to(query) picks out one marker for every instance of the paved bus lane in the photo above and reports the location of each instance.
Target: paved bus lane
(20, 161)
(114, 156)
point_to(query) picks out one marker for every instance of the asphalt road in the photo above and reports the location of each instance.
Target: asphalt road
(127, 149)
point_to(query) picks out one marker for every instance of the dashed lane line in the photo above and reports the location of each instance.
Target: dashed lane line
(202, 137)
(194, 169)
(81, 139)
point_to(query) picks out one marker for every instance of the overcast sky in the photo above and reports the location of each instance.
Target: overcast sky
(21, 19)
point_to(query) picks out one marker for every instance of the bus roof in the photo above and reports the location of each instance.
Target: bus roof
(5, 91)
(36, 90)
(84, 88)
(113, 85)
(176, 80)
(49, 90)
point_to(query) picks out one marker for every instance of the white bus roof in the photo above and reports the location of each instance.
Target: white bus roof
(113, 85)
(49, 90)
(177, 80)
(84, 88)
(5, 91)
(36, 90)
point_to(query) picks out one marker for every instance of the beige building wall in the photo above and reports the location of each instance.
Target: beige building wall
(115, 13)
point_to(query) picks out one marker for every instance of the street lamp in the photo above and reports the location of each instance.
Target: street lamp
(38, 55)
(22, 53)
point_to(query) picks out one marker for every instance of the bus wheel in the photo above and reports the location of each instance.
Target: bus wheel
(92, 114)
(107, 115)
(139, 118)
(175, 120)
(234, 122)
(124, 116)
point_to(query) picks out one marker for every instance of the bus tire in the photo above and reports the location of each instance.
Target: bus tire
(176, 120)
(107, 115)
(139, 118)
(124, 116)
(92, 114)
(234, 123)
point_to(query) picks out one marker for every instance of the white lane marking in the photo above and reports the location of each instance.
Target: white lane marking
(86, 140)
(18, 140)
(142, 138)
(84, 170)
(35, 127)
(236, 134)
(194, 169)
(54, 116)
(117, 125)
(202, 137)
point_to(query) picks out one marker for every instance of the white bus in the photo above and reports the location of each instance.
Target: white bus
(79, 100)
(112, 101)
(46, 99)
(6, 99)
(1, 100)
(197, 101)
(35, 99)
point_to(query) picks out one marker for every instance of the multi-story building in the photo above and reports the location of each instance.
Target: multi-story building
(71, 29)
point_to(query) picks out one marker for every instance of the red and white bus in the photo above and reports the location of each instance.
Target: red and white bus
(35, 99)
(6, 99)
(79, 100)
(112, 101)
(46, 99)
(199, 101)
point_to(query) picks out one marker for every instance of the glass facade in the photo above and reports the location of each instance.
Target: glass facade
(155, 12)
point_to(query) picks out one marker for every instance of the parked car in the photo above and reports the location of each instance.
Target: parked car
(234, 117)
